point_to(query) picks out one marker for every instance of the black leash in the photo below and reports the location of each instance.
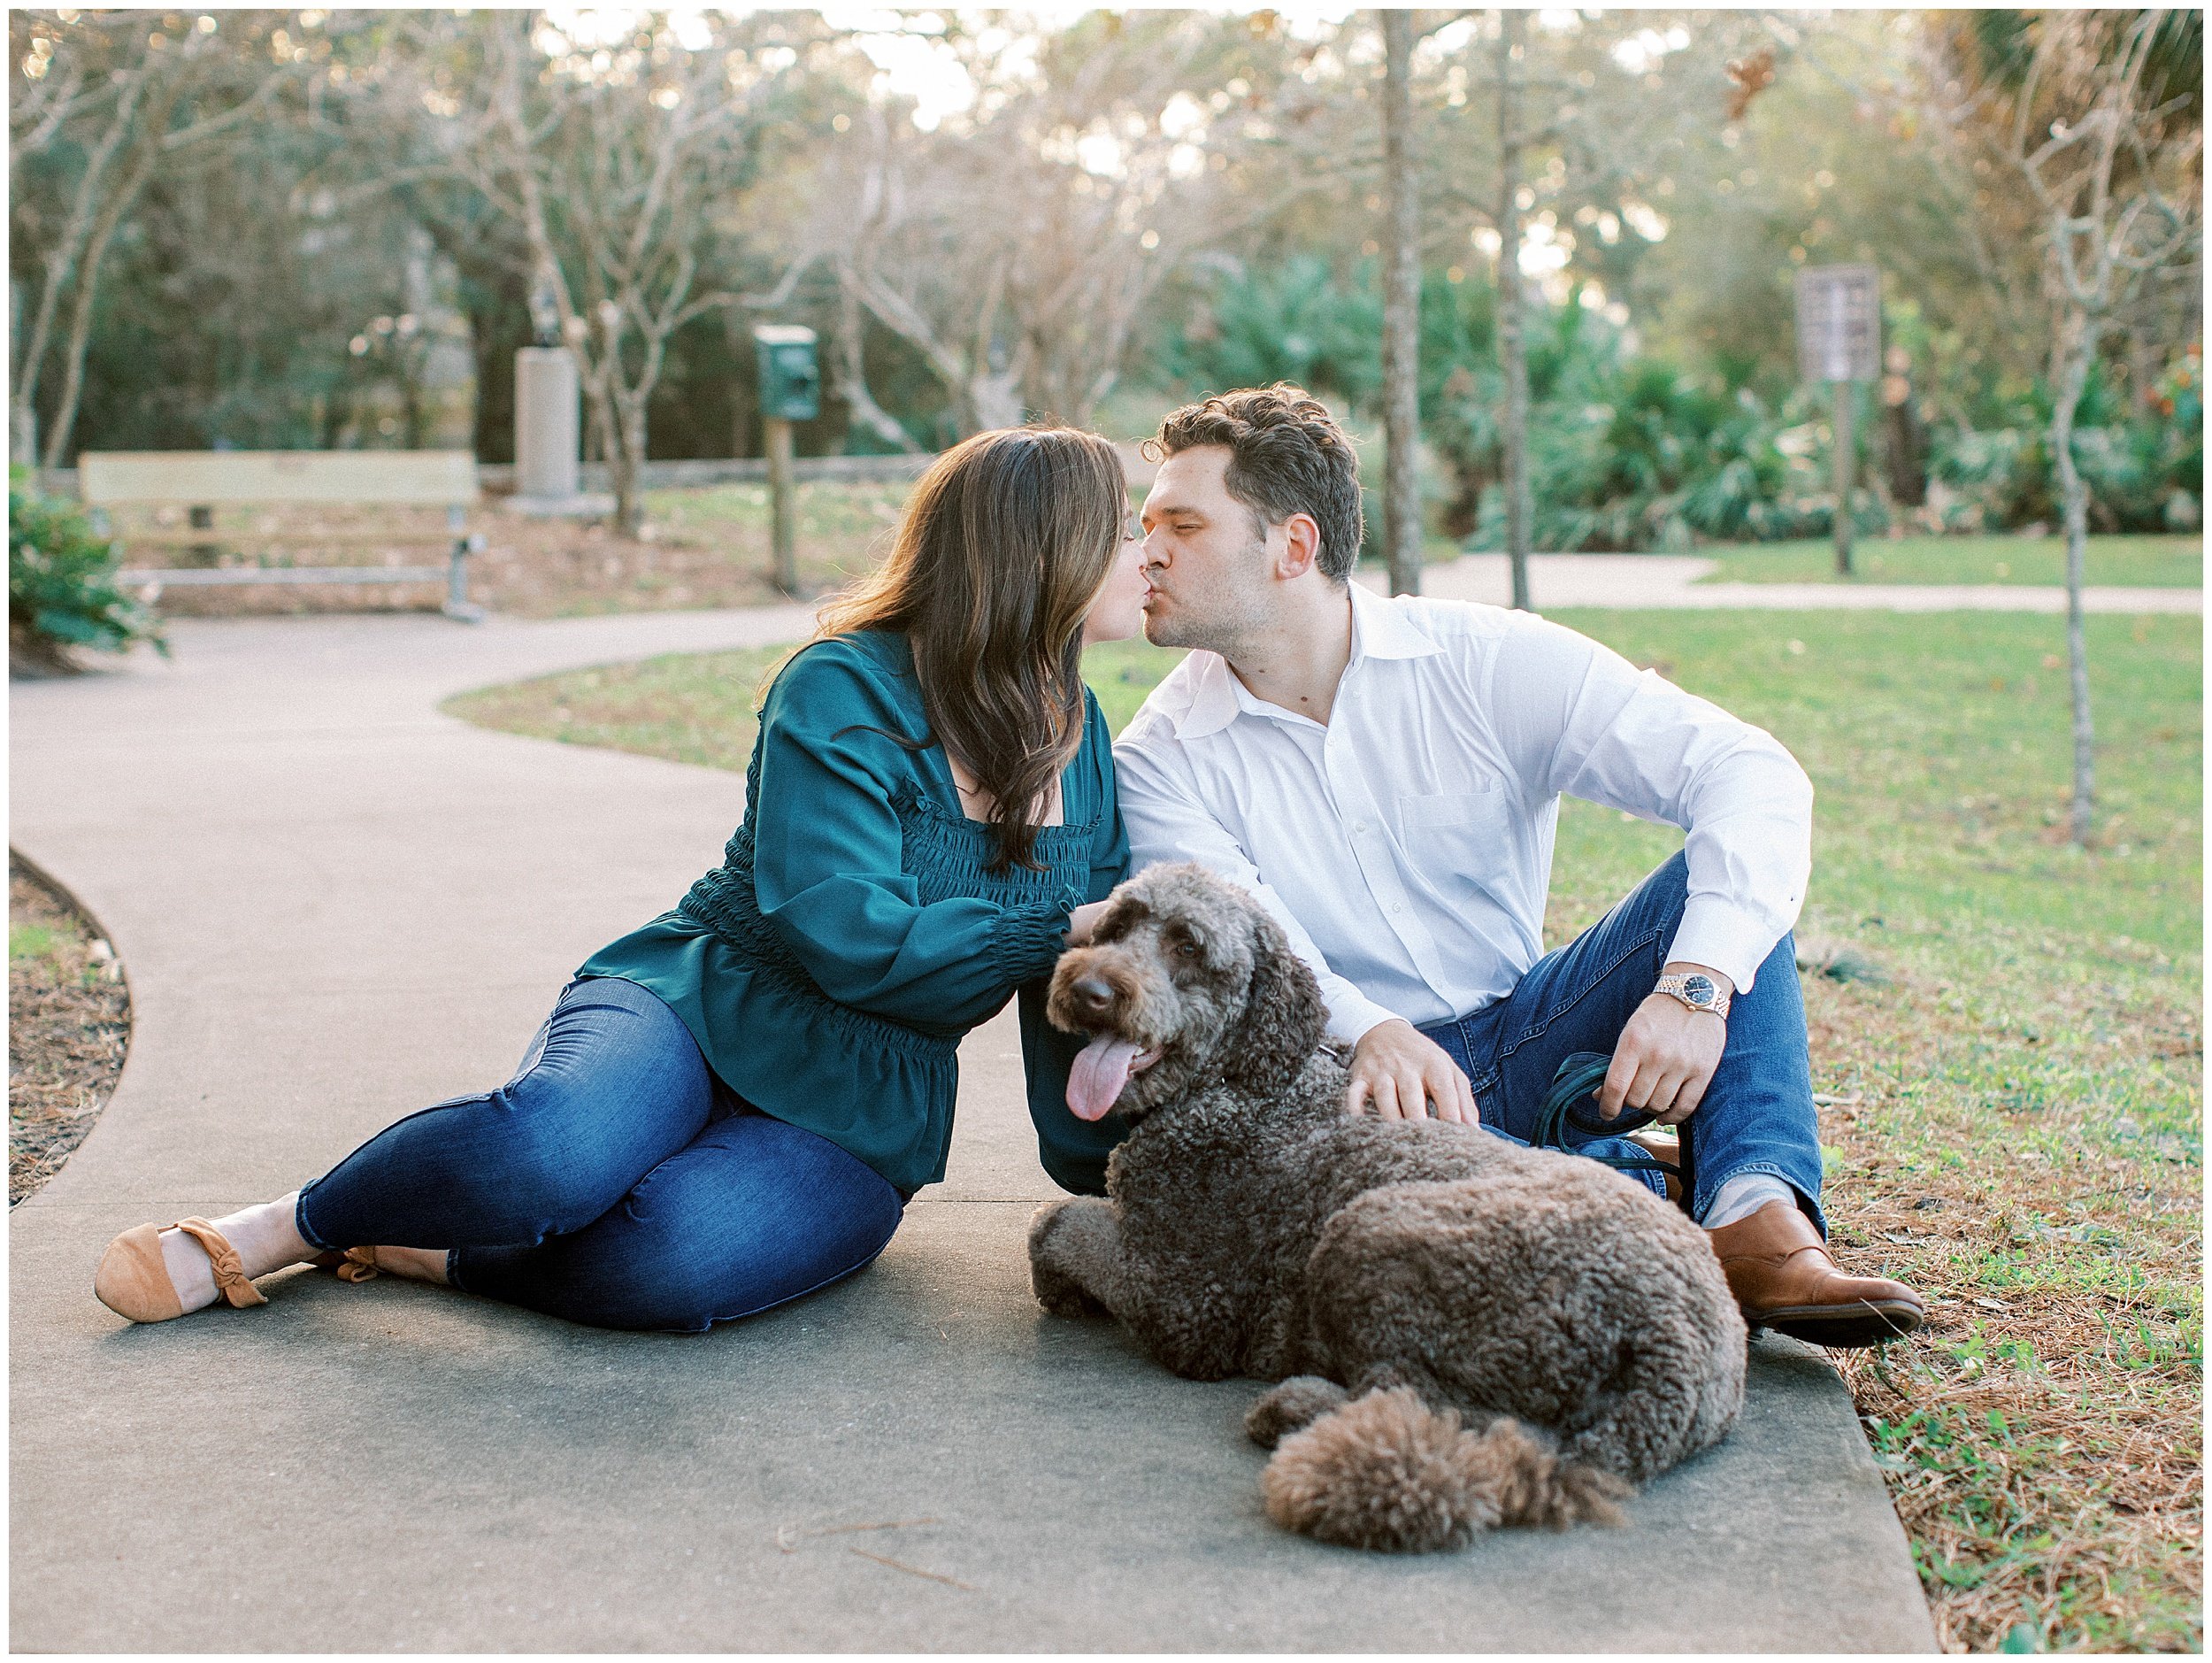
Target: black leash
(1579, 1078)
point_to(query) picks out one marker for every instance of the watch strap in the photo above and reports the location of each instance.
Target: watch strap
(1677, 987)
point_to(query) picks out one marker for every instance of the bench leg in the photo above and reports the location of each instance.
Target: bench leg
(457, 605)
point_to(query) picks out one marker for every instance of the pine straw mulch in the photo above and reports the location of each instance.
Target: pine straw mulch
(69, 1026)
(2031, 1160)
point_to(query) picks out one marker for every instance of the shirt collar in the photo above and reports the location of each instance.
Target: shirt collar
(1213, 697)
(1380, 629)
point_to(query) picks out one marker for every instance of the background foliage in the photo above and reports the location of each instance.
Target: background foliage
(61, 586)
(988, 218)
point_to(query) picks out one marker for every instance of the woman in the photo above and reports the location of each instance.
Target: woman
(730, 1107)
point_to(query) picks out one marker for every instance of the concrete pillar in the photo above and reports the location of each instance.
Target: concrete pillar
(547, 425)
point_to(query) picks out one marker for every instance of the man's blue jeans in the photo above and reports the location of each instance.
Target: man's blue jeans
(614, 1181)
(1757, 1112)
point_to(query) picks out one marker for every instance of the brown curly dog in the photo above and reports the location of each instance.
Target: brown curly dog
(1467, 1333)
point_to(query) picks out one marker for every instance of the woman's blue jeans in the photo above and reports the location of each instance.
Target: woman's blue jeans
(614, 1181)
(1757, 1112)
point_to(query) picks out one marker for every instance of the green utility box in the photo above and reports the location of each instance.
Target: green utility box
(790, 376)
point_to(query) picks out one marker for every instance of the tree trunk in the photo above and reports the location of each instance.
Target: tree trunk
(1402, 314)
(2077, 344)
(852, 381)
(623, 466)
(1904, 440)
(995, 398)
(2142, 374)
(61, 263)
(87, 284)
(1512, 347)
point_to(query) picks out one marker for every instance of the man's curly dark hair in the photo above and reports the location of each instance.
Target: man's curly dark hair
(1286, 455)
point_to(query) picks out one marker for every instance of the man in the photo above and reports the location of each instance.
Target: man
(1385, 775)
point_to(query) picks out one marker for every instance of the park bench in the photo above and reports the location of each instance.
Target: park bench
(188, 486)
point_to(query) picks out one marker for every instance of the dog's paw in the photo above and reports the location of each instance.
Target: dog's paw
(1055, 1290)
(1292, 1406)
(1061, 1294)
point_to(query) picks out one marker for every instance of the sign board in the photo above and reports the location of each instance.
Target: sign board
(1839, 323)
(790, 378)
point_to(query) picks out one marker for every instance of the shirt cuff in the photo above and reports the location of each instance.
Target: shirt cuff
(1351, 1014)
(1731, 941)
(1027, 941)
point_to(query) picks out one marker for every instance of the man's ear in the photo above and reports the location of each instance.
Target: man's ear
(1301, 546)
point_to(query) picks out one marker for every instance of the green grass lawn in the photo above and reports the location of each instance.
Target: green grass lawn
(844, 527)
(2012, 1108)
(2123, 562)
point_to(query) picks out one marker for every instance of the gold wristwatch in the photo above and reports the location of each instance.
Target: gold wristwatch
(1700, 993)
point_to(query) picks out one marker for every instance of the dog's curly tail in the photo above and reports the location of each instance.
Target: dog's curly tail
(1387, 1471)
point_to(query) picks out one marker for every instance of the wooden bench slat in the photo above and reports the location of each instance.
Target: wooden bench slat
(428, 478)
(209, 577)
(274, 542)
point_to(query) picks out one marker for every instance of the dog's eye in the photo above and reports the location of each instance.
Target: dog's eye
(1187, 949)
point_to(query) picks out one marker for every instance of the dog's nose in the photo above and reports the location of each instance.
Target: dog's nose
(1090, 996)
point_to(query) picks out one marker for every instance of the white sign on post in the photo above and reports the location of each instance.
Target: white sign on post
(1839, 323)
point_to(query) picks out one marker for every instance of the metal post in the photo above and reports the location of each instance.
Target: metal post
(787, 559)
(457, 604)
(1846, 457)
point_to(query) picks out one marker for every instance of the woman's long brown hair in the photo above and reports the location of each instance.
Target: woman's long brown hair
(1005, 544)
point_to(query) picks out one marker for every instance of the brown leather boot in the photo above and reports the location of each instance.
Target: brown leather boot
(1783, 1277)
(1667, 1152)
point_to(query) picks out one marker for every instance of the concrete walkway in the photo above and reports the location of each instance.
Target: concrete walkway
(1672, 582)
(335, 906)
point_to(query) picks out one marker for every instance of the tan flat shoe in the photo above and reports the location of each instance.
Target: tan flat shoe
(134, 1282)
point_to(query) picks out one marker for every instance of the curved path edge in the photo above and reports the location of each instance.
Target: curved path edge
(340, 905)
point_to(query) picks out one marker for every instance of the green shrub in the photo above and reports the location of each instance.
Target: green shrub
(1287, 322)
(2143, 470)
(61, 585)
(1632, 451)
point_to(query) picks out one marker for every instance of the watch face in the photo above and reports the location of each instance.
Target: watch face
(1700, 990)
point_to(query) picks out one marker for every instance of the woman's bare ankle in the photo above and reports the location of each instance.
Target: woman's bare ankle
(267, 1236)
(415, 1264)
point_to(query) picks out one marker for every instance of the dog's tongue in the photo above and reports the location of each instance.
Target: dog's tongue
(1100, 1071)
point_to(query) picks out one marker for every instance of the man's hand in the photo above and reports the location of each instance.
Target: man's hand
(1400, 1071)
(1666, 1056)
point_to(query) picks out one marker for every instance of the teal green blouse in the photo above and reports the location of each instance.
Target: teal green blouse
(830, 965)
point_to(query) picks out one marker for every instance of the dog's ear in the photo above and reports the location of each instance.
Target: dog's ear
(1284, 1017)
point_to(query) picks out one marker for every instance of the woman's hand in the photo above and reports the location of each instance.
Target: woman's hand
(1082, 921)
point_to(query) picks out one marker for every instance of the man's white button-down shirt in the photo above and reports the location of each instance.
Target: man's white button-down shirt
(1407, 845)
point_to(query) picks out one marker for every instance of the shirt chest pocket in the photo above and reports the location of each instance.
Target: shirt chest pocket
(1475, 816)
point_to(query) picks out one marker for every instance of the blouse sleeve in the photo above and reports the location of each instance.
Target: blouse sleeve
(827, 868)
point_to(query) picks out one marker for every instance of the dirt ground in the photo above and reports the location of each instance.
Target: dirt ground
(707, 547)
(69, 1026)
